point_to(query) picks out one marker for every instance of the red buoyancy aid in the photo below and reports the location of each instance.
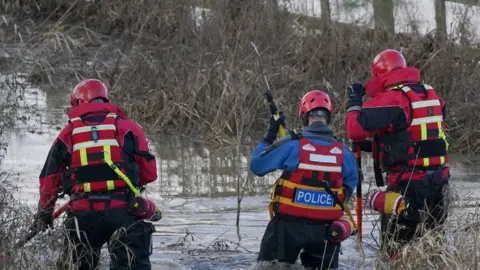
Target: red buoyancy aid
(315, 190)
(91, 146)
(423, 144)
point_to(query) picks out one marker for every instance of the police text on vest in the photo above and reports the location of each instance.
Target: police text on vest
(315, 198)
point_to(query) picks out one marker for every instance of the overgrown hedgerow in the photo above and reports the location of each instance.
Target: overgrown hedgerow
(181, 69)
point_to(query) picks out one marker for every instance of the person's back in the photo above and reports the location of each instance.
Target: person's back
(406, 120)
(319, 175)
(100, 160)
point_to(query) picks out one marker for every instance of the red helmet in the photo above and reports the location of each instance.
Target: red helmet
(88, 90)
(312, 100)
(386, 61)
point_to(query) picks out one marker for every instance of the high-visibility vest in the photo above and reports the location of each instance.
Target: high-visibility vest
(91, 146)
(423, 144)
(315, 190)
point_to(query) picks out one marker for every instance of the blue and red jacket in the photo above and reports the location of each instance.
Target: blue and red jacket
(317, 170)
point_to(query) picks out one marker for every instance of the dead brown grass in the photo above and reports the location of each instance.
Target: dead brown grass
(457, 250)
(178, 69)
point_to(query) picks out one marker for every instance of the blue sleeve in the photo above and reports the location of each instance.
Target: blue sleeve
(349, 172)
(284, 156)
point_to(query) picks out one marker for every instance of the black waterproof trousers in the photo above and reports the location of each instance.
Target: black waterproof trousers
(428, 207)
(285, 237)
(129, 239)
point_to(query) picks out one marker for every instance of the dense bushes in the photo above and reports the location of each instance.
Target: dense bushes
(177, 68)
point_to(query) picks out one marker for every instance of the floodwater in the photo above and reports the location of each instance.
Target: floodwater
(198, 185)
(196, 190)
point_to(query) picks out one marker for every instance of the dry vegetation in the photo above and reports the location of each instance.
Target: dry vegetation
(180, 70)
(183, 70)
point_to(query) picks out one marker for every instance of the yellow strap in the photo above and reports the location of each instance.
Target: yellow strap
(106, 152)
(114, 167)
(441, 134)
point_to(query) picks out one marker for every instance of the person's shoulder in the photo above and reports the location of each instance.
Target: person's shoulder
(65, 131)
(129, 124)
(389, 98)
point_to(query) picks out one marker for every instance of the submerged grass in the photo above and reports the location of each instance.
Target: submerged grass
(178, 68)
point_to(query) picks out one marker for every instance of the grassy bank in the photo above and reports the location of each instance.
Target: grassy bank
(177, 69)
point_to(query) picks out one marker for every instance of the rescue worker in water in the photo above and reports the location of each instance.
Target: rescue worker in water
(406, 118)
(319, 176)
(99, 132)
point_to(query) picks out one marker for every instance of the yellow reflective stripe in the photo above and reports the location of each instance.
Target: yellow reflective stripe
(426, 162)
(442, 160)
(441, 134)
(86, 187)
(94, 144)
(319, 168)
(426, 120)
(121, 174)
(292, 185)
(427, 103)
(106, 152)
(89, 128)
(288, 201)
(423, 129)
(83, 156)
(110, 185)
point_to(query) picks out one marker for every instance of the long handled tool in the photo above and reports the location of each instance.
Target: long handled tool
(273, 110)
(358, 204)
(268, 94)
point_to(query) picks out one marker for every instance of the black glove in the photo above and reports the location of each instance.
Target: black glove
(355, 93)
(43, 219)
(273, 127)
(365, 145)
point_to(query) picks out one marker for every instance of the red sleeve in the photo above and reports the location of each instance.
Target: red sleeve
(354, 130)
(50, 177)
(146, 162)
(381, 112)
